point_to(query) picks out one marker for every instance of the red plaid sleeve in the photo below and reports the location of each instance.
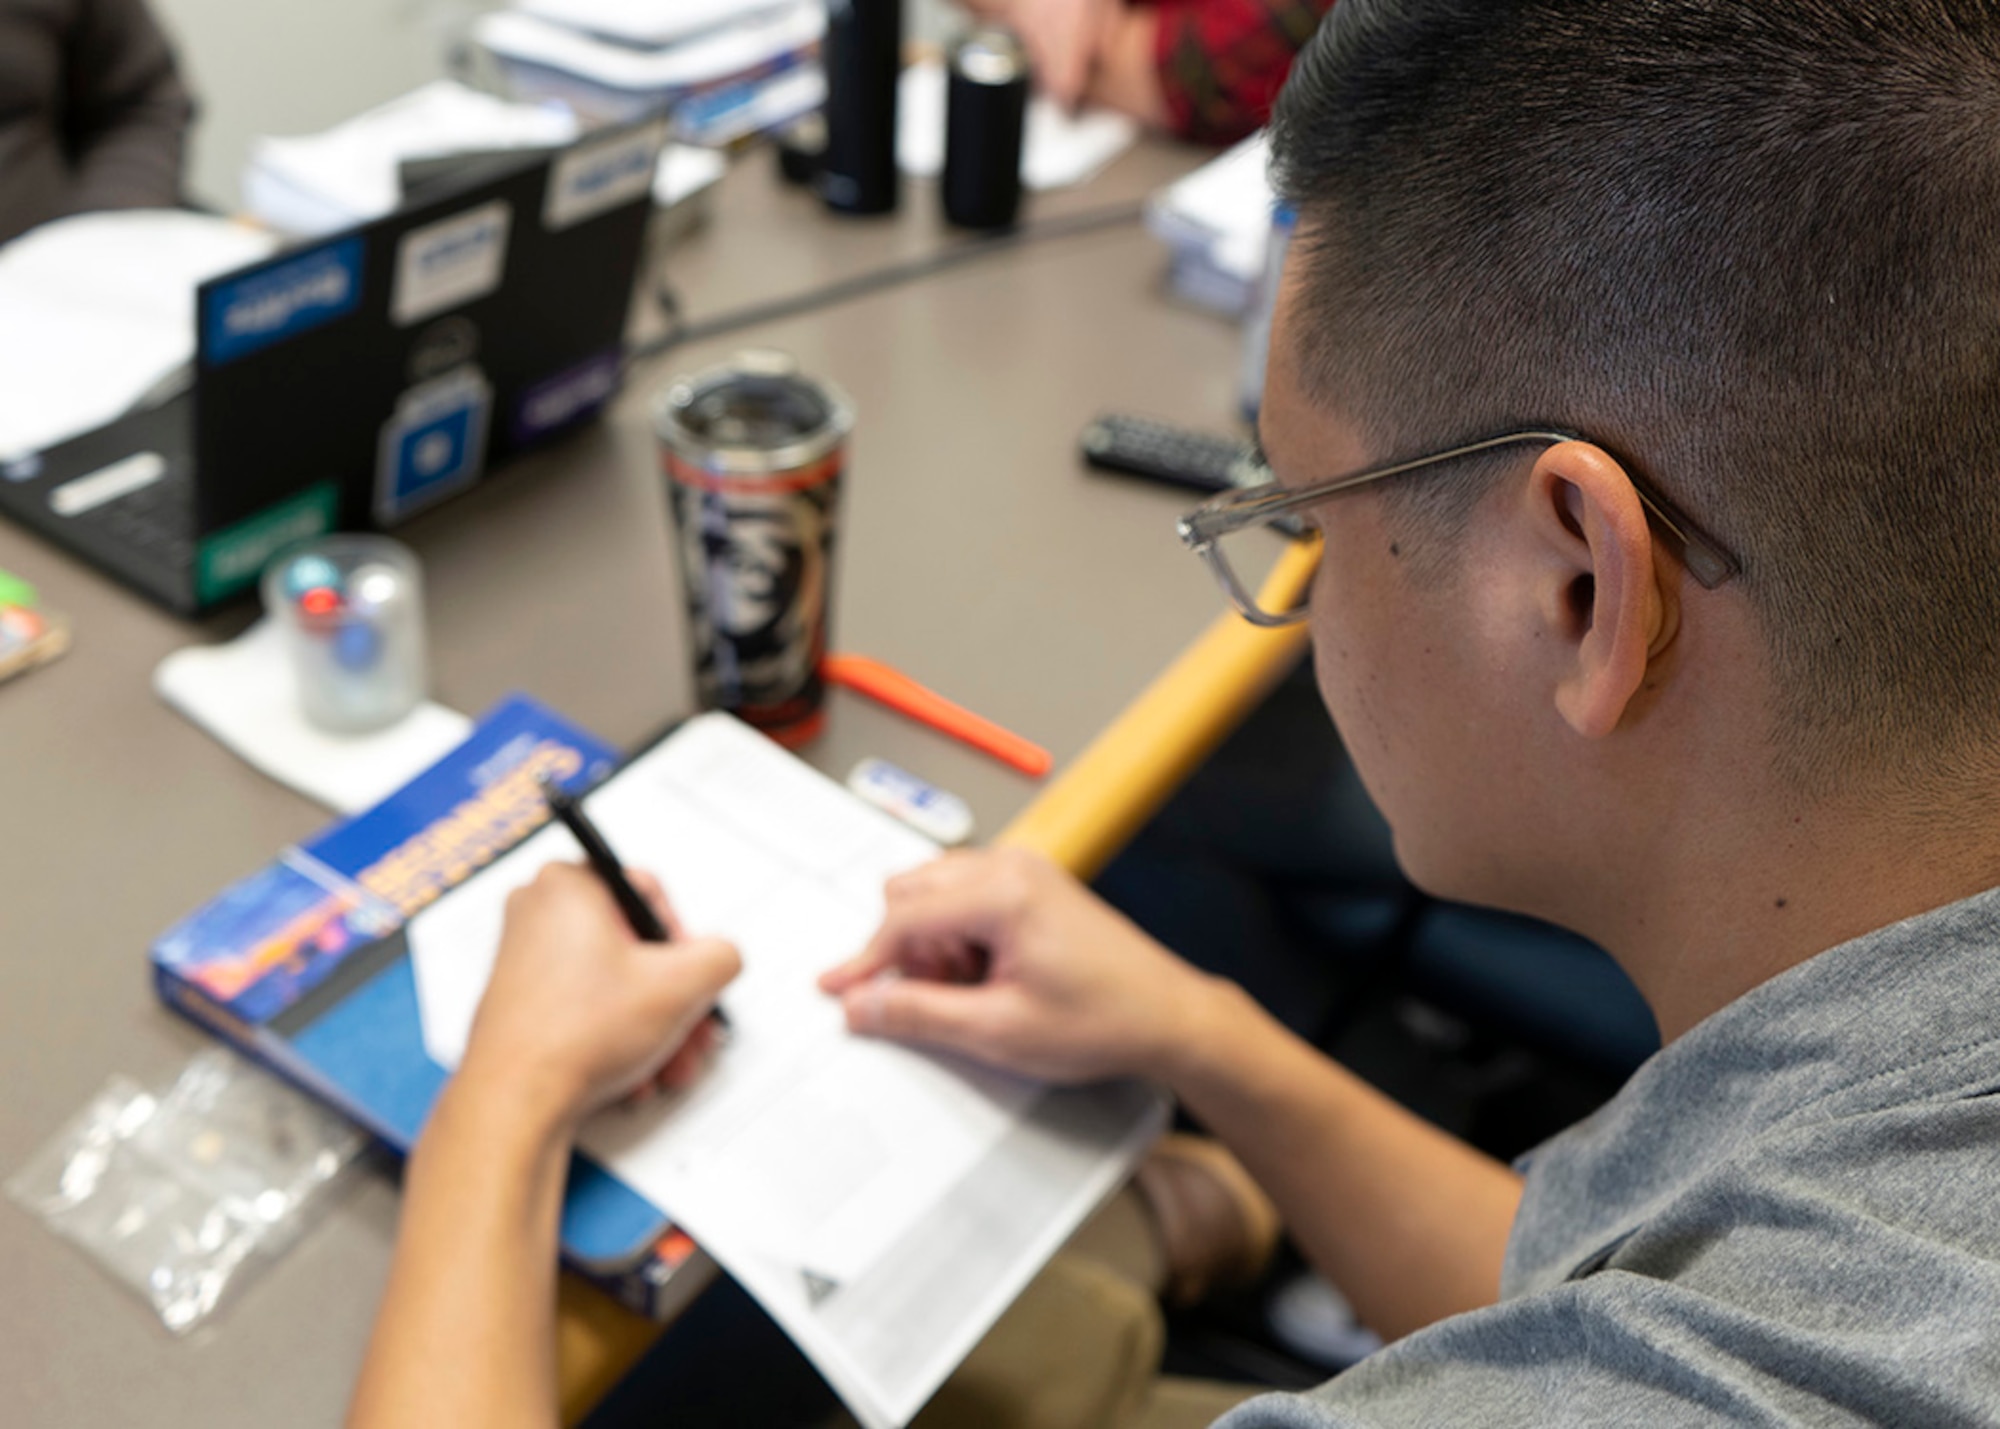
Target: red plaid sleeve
(1222, 62)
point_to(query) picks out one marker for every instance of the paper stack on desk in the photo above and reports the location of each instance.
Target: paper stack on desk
(98, 312)
(1217, 222)
(725, 68)
(319, 183)
(646, 22)
(883, 1205)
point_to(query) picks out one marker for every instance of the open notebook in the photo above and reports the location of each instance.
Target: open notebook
(884, 1205)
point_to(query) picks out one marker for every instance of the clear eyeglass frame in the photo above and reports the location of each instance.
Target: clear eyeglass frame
(1203, 529)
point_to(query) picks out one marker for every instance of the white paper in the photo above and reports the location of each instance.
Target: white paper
(684, 172)
(1057, 149)
(99, 309)
(644, 22)
(244, 693)
(883, 1205)
(723, 115)
(1221, 211)
(740, 833)
(752, 42)
(318, 183)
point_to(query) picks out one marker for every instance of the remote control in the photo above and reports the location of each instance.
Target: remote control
(1139, 446)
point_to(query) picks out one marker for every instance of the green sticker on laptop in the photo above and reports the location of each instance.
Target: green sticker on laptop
(229, 559)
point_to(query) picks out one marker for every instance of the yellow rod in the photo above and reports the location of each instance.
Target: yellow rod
(1107, 793)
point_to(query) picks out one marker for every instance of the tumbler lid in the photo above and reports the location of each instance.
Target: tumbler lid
(754, 414)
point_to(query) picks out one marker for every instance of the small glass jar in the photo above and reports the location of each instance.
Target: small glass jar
(352, 612)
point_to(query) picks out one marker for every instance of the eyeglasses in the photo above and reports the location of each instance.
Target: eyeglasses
(1204, 529)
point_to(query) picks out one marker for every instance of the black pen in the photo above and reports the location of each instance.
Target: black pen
(645, 923)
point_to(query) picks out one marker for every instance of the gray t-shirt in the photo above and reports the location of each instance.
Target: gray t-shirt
(1791, 1215)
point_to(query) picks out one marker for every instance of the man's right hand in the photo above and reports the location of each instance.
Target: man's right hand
(579, 1011)
(1003, 957)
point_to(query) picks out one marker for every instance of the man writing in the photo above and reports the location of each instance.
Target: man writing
(1639, 370)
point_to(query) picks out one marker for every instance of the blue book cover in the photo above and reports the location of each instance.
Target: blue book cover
(270, 939)
(302, 964)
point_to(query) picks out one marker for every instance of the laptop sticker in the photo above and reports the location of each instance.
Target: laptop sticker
(569, 396)
(227, 560)
(593, 178)
(433, 444)
(447, 264)
(273, 303)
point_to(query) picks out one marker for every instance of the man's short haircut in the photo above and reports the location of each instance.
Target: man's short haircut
(1752, 247)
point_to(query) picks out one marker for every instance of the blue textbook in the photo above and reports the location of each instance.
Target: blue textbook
(303, 964)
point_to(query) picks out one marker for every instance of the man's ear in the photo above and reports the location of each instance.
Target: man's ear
(1604, 596)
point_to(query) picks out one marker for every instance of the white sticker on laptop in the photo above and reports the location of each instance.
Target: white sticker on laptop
(599, 175)
(447, 264)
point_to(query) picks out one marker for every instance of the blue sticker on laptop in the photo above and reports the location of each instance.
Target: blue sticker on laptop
(433, 444)
(566, 398)
(241, 315)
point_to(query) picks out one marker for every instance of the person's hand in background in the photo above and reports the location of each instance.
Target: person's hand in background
(1087, 51)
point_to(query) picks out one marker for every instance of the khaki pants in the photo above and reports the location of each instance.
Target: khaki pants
(1081, 1348)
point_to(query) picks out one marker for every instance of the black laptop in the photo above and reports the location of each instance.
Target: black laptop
(352, 381)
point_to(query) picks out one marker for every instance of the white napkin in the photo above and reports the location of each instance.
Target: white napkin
(243, 692)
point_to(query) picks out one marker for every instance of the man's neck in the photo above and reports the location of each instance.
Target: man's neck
(1755, 897)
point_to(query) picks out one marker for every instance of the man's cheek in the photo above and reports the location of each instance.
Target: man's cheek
(1340, 678)
(1353, 687)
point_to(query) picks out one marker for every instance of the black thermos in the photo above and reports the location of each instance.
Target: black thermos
(863, 54)
(986, 112)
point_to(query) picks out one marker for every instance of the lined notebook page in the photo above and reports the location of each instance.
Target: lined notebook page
(884, 1205)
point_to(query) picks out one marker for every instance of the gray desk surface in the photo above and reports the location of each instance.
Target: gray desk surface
(975, 554)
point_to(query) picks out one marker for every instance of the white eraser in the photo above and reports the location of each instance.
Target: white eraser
(929, 810)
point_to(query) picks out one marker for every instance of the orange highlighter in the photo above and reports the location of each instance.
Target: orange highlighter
(889, 686)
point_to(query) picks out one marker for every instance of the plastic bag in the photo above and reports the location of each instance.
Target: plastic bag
(178, 1194)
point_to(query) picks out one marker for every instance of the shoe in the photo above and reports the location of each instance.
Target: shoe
(1217, 1228)
(1314, 1321)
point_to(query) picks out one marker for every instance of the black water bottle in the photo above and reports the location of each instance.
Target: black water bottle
(863, 54)
(986, 115)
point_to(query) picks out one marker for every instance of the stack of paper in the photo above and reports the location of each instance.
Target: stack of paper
(645, 22)
(1217, 222)
(320, 183)
(884, 1205)
(347, 175)
(98, 311)
(725, 68)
